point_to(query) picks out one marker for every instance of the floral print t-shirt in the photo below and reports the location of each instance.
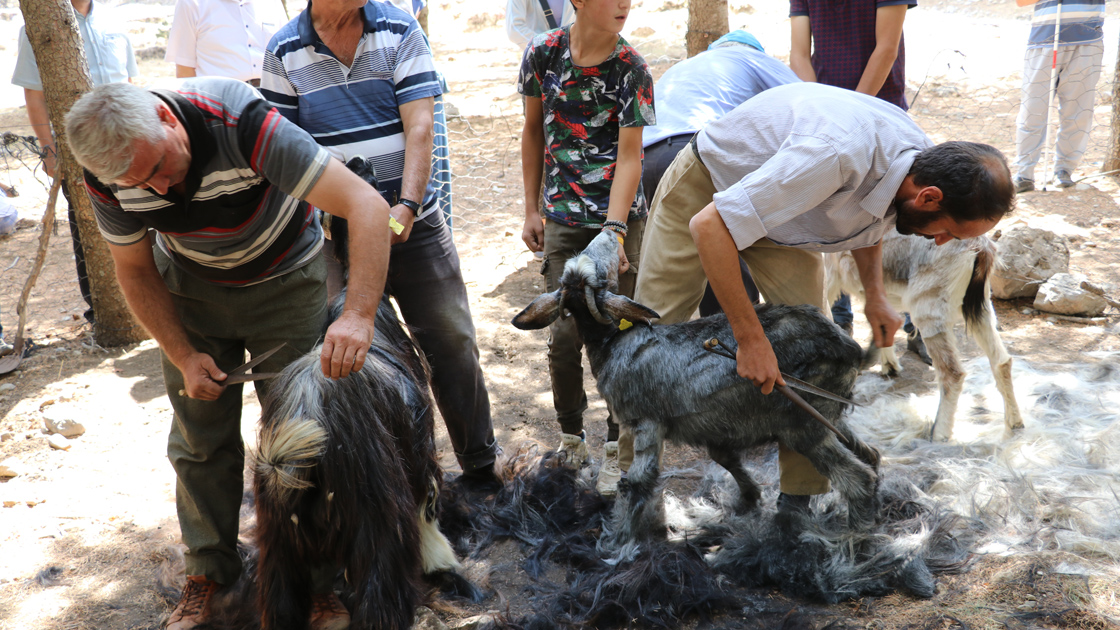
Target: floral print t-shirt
(583, 110)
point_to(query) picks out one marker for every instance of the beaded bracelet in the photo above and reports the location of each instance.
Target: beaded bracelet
(616, 226)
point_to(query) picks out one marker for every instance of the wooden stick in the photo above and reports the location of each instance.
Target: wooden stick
(40, 258)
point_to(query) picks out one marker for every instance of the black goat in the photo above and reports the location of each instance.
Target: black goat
(660, 381)
(346, 476)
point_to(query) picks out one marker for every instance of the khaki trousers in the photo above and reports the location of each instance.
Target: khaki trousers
(671, 281)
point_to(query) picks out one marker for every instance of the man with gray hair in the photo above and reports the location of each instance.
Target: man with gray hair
(227, 185)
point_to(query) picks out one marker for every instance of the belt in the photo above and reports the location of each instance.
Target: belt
(695, 149)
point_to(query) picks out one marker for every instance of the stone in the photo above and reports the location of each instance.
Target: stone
(1025, 258)
(7, 435)
(426, 619)
(59, 419)
(1062, 294)
(7, 387)
(58, 442)
(10, 468)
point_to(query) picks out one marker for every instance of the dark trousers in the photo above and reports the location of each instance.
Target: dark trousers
(565, 346)
(427, 283)
(205, 445)
(658, 157)
(79, 253)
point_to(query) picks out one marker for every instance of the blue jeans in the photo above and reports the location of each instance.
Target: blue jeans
(427, 283)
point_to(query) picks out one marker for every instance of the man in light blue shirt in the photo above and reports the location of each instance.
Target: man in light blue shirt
(698, 91)
(110, 59)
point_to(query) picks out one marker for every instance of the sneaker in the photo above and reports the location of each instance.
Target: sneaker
(194, 604)
(573, 449)
(328, 613)
(484, 480)
(609, 472)
(915, 344)
(5, 347)
(1063, 179)
(1023, 185)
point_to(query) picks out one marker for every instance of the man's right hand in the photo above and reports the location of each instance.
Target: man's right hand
(757, 363)
(533, 233)
(201, 377)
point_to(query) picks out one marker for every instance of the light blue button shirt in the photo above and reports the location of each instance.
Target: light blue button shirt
(108, 52)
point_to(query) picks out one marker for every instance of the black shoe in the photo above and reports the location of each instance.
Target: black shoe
(481, 481)
(1063, 179)
(915, 344)
(1023, 185)
(793, 503)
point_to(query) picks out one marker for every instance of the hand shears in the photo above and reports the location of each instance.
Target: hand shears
(241, 374)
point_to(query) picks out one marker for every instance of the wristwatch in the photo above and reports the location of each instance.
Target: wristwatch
(411, 205)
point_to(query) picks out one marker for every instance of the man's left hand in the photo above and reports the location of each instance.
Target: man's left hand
(346, 345)
(884, 320)
(405, 216)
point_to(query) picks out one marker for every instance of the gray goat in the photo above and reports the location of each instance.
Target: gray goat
(660, 381)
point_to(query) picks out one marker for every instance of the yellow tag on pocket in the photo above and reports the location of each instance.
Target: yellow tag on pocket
(395, 226)
(624, 324)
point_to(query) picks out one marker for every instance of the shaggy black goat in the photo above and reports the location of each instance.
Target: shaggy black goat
(660, 381)
(346, 475)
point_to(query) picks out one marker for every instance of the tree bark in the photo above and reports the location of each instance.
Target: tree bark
(422, 18)
(707, 22)
(53, 32)
(1112, 163)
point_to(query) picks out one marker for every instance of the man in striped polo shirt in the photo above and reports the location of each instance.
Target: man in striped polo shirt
(359, 76)
(226, 185)
(1080, 55)
(796, 171)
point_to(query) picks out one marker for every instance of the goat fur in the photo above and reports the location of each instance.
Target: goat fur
(938, 285)
(345, 474)
(660, 381)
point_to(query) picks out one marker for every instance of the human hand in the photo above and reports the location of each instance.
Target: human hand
(884, 320)
(345, 345)
(533, 233)
(404, 216)
(757, 363)
(201, 377)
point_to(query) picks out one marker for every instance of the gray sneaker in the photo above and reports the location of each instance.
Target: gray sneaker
(1023, 185)
(1063, 179)
(573, 449)
(609, 472)
(5, 347)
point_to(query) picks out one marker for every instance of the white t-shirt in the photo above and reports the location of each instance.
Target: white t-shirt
(220, 38)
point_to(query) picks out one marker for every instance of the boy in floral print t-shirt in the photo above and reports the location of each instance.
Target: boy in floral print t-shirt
(588, 94)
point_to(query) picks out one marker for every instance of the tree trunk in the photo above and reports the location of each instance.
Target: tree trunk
(53, 32)
(422, 18)
(1112, 163)
(707, 22)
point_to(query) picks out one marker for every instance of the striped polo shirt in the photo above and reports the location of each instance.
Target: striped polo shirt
(355, 110)
(1082, 22)
(241, 220)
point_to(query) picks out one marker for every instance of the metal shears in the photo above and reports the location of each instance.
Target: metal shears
(241, 373)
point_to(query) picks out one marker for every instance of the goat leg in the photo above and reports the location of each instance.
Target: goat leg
(749, 492)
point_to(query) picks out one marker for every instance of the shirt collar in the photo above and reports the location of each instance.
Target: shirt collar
(878, 201)
(308, 36)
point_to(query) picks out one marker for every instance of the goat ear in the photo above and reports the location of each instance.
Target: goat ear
(540, 313)
(620, 307)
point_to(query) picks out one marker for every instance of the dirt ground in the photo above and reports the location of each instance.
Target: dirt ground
(85, 531)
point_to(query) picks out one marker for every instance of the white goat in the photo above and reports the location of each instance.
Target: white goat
(938, 286)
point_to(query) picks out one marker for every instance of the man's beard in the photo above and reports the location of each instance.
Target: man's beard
(908, 220)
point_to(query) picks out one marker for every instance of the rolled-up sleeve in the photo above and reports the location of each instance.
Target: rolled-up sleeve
(798, 178)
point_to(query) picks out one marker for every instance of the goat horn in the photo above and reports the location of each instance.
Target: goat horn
(589, 294)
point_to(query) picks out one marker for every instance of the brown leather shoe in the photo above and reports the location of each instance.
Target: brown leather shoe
(194, 604)
(328, 613)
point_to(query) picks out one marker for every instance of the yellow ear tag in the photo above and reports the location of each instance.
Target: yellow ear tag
(624, 324)
(395, 226)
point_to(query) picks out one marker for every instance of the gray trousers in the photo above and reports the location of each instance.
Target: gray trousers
(1078, 68)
